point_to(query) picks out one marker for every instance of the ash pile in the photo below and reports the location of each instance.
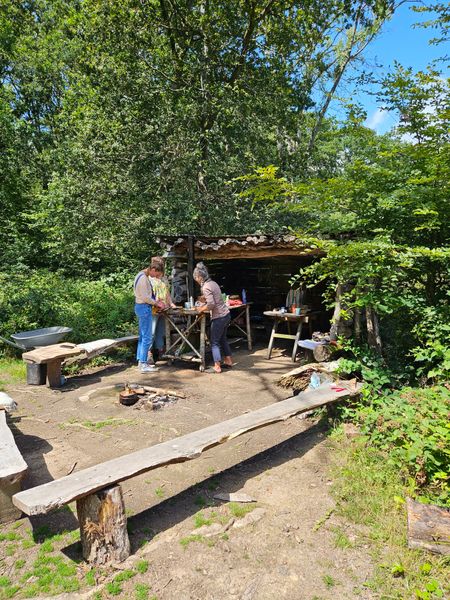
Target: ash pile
(148, 398)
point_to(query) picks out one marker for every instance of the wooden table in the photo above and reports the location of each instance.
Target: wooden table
(196, 322)
(51, 358)
(288, 318)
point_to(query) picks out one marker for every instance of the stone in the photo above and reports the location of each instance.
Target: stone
(250, 518)
(234, 497)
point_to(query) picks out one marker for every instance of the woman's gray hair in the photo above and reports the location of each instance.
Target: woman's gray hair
(201, 272)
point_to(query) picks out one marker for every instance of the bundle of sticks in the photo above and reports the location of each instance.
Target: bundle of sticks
(299, 378)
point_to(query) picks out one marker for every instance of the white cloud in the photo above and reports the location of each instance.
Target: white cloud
(377, 119)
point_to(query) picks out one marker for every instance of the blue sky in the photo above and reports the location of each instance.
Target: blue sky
(399, 41)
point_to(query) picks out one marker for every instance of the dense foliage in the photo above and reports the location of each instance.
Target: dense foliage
(126, 118)
(383, 221)
(93, 309)
(411, 429)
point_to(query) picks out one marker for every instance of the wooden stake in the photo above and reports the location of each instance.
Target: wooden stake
(103, 526)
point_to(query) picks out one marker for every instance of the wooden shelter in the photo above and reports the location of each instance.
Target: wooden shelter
(263, 265)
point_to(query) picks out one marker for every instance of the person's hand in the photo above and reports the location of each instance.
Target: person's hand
(160, 305)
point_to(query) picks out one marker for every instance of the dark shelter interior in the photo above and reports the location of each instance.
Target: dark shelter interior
(261, 265)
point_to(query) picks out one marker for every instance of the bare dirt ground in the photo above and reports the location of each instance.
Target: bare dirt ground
(290, 550)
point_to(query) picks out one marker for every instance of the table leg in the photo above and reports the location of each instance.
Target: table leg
(297, 337)
(202, 341)
(54, 373)
(248, 327)
(167, 327)
(272, 337)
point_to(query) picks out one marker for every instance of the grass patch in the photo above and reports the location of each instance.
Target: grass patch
(125, 575)
(141, 591)
(142, 566)
(341, 540)
(113, 588)
(240, 510)
(159, 492)
(369, 492)
(329, 581)
(97, 425)
(90, 578)
(200, 520)
(13, 370)
(191, 538)
(10, 536)
(19, 564)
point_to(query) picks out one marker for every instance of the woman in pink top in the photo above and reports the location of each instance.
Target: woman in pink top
(220, 318)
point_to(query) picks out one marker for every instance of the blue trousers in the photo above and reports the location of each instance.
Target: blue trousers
(144, 315)
(218, 337)
(158, 332)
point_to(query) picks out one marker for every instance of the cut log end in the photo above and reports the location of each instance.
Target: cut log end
(103, 526)
(428, 527)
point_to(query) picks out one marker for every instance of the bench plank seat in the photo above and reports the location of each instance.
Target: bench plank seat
(12, 469)
(46, 497)
(47, 354)
(12, 464)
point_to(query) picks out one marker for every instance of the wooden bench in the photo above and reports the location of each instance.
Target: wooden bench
(100, 506)
(12, 469)
(52, 357)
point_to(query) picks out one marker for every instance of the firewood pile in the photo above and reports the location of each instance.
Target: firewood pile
(299, 378)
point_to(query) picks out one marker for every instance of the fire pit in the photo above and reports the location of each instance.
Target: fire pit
(148, 398)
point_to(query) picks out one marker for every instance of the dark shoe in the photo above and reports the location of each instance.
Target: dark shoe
(155, 354)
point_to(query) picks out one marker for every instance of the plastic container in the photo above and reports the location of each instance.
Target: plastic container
(244, 297)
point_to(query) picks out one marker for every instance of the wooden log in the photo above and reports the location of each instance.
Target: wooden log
(322, 353)
(163, 391)
(54, 373)
(103, 526)
(428, 527)
(44, 498)
(12, 470)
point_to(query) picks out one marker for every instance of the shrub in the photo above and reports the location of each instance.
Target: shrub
(411, 427)
(93, 309)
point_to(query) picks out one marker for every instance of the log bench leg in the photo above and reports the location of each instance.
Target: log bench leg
(103, 526)
(54, 373)
(8, 487)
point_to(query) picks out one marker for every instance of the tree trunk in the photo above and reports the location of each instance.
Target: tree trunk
(340, 326)
(103, 526)
(357, 324)
(373, 330)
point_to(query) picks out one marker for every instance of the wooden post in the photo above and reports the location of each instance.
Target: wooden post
(103, 526)
(54, 373)
(272, 337)
(190, 267)
(12, 471)
(297, 337)
(8, 487)
(203, 341)
(248, 327)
